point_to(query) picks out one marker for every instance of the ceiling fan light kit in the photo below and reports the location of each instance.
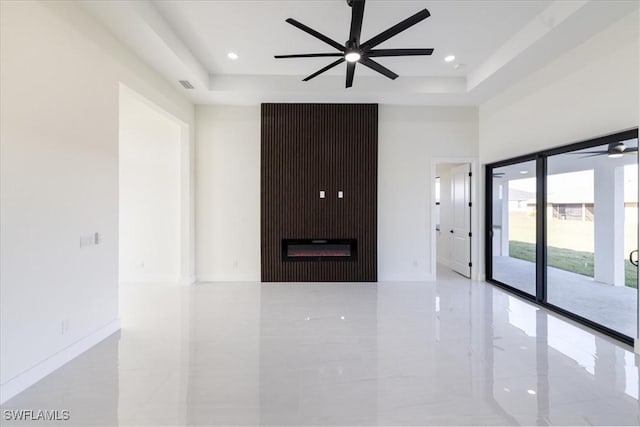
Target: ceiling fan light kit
(354, 52)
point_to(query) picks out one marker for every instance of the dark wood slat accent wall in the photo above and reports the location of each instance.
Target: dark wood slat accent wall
(305, 149)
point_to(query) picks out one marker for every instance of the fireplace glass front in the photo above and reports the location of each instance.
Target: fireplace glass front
(319, 249)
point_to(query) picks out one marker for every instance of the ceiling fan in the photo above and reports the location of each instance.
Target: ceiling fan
(353, 51)
(614, 150)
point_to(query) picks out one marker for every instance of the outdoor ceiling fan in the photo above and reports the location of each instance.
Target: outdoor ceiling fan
(354, 52)
(614, 150)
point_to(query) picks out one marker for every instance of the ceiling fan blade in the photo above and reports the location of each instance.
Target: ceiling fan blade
(398, 28)
(591, 152)
(398, 52)
(377, 67)
(316, 34)
(357, 13)
(630, 150)
(309, 55)
(351, 69)
(592, 155)
(322, 70)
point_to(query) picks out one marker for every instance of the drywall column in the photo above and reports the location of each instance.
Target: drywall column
(609, 224)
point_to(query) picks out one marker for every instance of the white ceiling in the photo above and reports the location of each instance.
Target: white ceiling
(495, 42)
(257, 30)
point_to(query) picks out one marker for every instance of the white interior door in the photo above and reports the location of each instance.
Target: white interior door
(461, 229)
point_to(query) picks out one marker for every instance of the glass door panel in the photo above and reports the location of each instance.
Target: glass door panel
(592, 220)
(513, 228)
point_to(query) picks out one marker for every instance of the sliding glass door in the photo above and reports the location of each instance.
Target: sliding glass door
(513, 229)
(592, 220)
(562, 225)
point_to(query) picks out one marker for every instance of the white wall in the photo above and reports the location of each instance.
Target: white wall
(228, 187)
(590, 91)
(60, 75)
(228, 193)
(149, 193)
(409, 137)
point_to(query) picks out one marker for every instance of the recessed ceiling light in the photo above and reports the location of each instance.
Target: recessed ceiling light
(232, 55)
(449, 58)
(524, 172)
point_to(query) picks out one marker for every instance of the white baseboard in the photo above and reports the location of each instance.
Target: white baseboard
(227, 278)
(422, 277)
(150, 278)
(26, 379)
(187, 280)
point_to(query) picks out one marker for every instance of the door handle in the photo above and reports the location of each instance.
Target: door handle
(631, 260)
(451, 231)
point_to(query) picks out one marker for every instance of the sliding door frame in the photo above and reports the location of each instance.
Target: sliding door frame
(489, 223)
(541, 226)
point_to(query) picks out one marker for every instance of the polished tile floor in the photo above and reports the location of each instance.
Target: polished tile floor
(576, 293)
(449, 352)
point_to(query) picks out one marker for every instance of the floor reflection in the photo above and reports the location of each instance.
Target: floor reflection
(449, 352)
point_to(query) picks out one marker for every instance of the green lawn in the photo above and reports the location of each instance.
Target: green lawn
(567, 259)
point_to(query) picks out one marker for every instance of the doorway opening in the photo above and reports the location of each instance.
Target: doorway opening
(454, 218)
(154, 193)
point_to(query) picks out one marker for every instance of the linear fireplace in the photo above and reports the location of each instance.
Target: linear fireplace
(319, 249)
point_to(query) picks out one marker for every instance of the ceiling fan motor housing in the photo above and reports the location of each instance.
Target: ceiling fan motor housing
(352, 46)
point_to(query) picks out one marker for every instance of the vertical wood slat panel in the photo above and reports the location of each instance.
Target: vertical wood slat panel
(306, 148)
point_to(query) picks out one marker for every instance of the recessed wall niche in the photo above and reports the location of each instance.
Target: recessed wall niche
(319, 167)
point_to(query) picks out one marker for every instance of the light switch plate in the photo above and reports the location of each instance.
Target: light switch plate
(340, 194)
(322, 195)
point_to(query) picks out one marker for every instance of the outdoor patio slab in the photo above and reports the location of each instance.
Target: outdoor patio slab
(612, 306)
